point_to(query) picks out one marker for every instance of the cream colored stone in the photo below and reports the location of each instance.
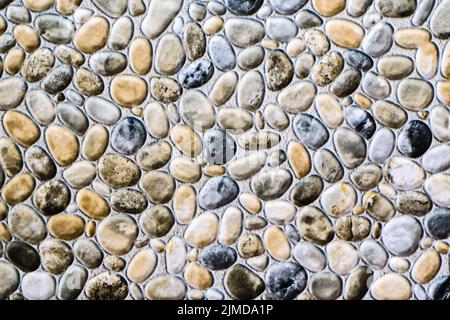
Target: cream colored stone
(27, 37)
(140, 56)
(128, 90)
(299, 159)
(426, 267)
(277, 243)
(186, 140)
(412, 38)
(344, 33)
(391, 286)
(330, 110)
(250, 202)
(198, 277)
(142, 265)
(185, 203)
(185, 170)
(202, 231)
(213, 25)
(328, 8)
(14, 60)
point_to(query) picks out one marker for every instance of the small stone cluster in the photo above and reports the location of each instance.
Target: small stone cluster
(225, 149)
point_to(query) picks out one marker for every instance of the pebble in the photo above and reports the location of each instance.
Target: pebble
(88, 253)
(414, 203)
(218, 257)
(378, 40)
(165, 287)
(350, 147)
(242, 283)
(217, 192)
(328, 8)
(402, 235)
(169, 55)
(254, 31)
(140, 56)
(438, 24)
(325, 286)
(23, 256)
(10, 157)
(373, 253)
(26, 224)
(72, 283)
(376, 86)
(128, 201)
(415, 139)
(195, 109)
(279, 70)
(352, 228)
(426, 267)
(10, 280)
(395, 67)
(389, 114)
(281, 29)
(56, 256)
(358, 283)
(116, 234)
(66, 226)
(121, 33)
(20, 128)
(223, 88)
(128, 136)
(314, 225)
(196, 74)
(398, 9)
(158, 186)
(271, 184)
(427, 60)
(54, 28)
(342, 256)
(107, 286)
(13, 85)
(307, 191)
(344, 33)
(414, 94)
(412, 38)
(202, 230)
(157, 221)
(251, 91)
(213, 25)
(221, 53)
(358, 59)
(285, 281)
(92, 204)
(404, 174)
(230, 226)
(277, 243)
(310, 256)
(142, 265)
(391, 286)
(308, 19)
(39, 285)
(327, 69)
(128, 90)
(298, 97)
(328, 166)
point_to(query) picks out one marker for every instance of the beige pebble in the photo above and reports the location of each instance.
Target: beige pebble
(95, 142)
(10, 157)
(344, 33)
(328, 8)
(186, 140)
(27, 37)
(3, 25)
(213, 25)
(202, 231)
(140, 56)
(391, 286)
(156, 120)
(214, 171)
(128, 90)
(342, 256)
(299, 159)
(230, 226)
(277, 243)
(426, 267)
(329, 110)
(92, 204)
(80, 174)
(198, 276)
(427, 60)
(19, 188)
(142, 265)
(38, 5)
(14, 60)
(21, 128)
(269, 44)
(67, 7)
(445, 62)
(92, 36)
(185, 203)
(412, 38)
(90, 228)
(224, 88)
(159, 186)
(250, 202)
(441, 247)
(66, 226)
(62, 144)
(185, 170)
(443, 92)
(5, 235)
(295, 47)
(362, 100)
(399, 265)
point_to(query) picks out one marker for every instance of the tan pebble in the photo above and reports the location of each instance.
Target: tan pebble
(14, 60)
(21, 128)
(304, 296)
(38, 5)
(19, 188)
(445, 62)
(5, 235)
(441, 247)
(10, 157)
(137, 111)
(185, 170)
(65, 226)
(67, 7)
(250, 202)
(202, 231)
(362, 100)
(142, 265)
(95, 142)
(156, 120)
(27, 37)
(159, 186)
(92, 204)
(395, 67)
(62, 144)
(376, 230)
(427, 60)
(426, 267)
(80, 174)
(391, 286)
(295, 47)
(358, 210)
(224, 88)
(299, 159)
(193, 255)
(342, 256)
(92, 36)
(213, 25)
(198, 277)
(426, 243)
(399, 265)
(269, 44)
(344, 33)
(277, 243)
(230, 226)
(196, 295)
(128, 90)
(158, 245)
(443, 92)
(186, 140)
(330, 110)
(3, 25)
(328, 8)
(259, 120)
(90, 228)
(412, 38)
(3, 210)
(423, 114)
(214, 171)
(140, 56)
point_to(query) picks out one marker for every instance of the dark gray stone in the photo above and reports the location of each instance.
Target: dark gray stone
(217, 192)
(361, 121)
(128, 136)
(23, 256)
(307, 191)
(358, 59)
(439, 289)
(243, 7)
(218, 257)
(196, 74)
(438, 223)
(310, 131)
(285, 281)
(415, 139)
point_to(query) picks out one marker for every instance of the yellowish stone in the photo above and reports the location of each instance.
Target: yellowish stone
(128, 90)
(445, 64)
(21, 128)
(67, 7)
(66, 226)
(38, 5)
(185, 203)
(441, 247)
(269, 44)
(391, 286)
(95, 142)
(250, 202)
(328, 8)
(10, 157)
(198, 276)
(186, 140)
(27, 37)
(92, 204)
(426, 267)
(62, 144)
(427, 60)
(93, 35)
(214, 171)
(299, 159)
(5, 235)
(329, 110)
(140, 56)
(362, 100)
(213, 25)
(202, 231)
(185, 170)
(14, 60)
(90, 228)
(344, 33)
(277, 243)
(3, 25)
(142, 265)
(412, 38)
(19, 188)
(443, 92)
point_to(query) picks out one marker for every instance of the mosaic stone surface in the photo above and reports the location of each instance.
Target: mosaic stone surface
(235, 149)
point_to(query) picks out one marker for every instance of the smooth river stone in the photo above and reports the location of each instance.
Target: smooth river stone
(12, 92)
(404, 174)
(159, 15)
(196, 109)
(102, 110)
(243, 284)
(436, 186)
(382, 145)
(350, 147)
(439, 20)
(297, 97)
(310, 131)
(415, 139)
(128, 136)
(244, 8)
(379, 40)
(251, 91)
(402, 235)
(391, 286)
(221, 53)
(271, 184)
(415, 94)
(116, 234)
(338, 199)
(217, 192)
(202, 231)
(243, 32)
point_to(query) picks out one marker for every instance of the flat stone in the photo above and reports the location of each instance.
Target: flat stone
(221, 53)
(281, 29)
(140, 56)
(310, 256)
(277, 243)
(297, 97)
(157, 221)
(338, 199)
(389, 114)
(412, 38)
(344, 33)
(276, 117)
(230, 226)
(314, 225)
(223, 88)
(401, 235)
(102, 111)
(307, 191)
(391, 286)
(267, 187)
(426, 267)
(325, 286)
(328, 166)
(19, 188)
(40, 106)
(342, 256)
(414, 203)
(378, 206)
(72, 283)
(88, 253)
(170, 55)
(415, 94)
(242, 283)
(165, 287)
(234, 120)
(217, 192)
(218, 257)
(358, 59)
(158, 186)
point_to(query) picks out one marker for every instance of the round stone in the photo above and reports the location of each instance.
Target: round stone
(128, 136)
(404, 174)
(26, 224)
(159, 186)
(23, 256)
(350, 147)
(391, 286)
(307, 191)
(157, 221)
(202, 231)
(415, 94)
(51, 197)
(56, 256)
(142, 265)
(342, 256)
(88, 253)
(92, 204)
(438, 223)
(62, 144)
(339, 199)
(325, 286)
(415, 139)
(66, 226)
(279, 70)
(285, 281)
(314, 225)
(401, 235)
(116, 234)
(107, 286)
(18, 189)
(165, 287)
(128, 90)
(118, 171)
(38, 285)
(242, 283)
